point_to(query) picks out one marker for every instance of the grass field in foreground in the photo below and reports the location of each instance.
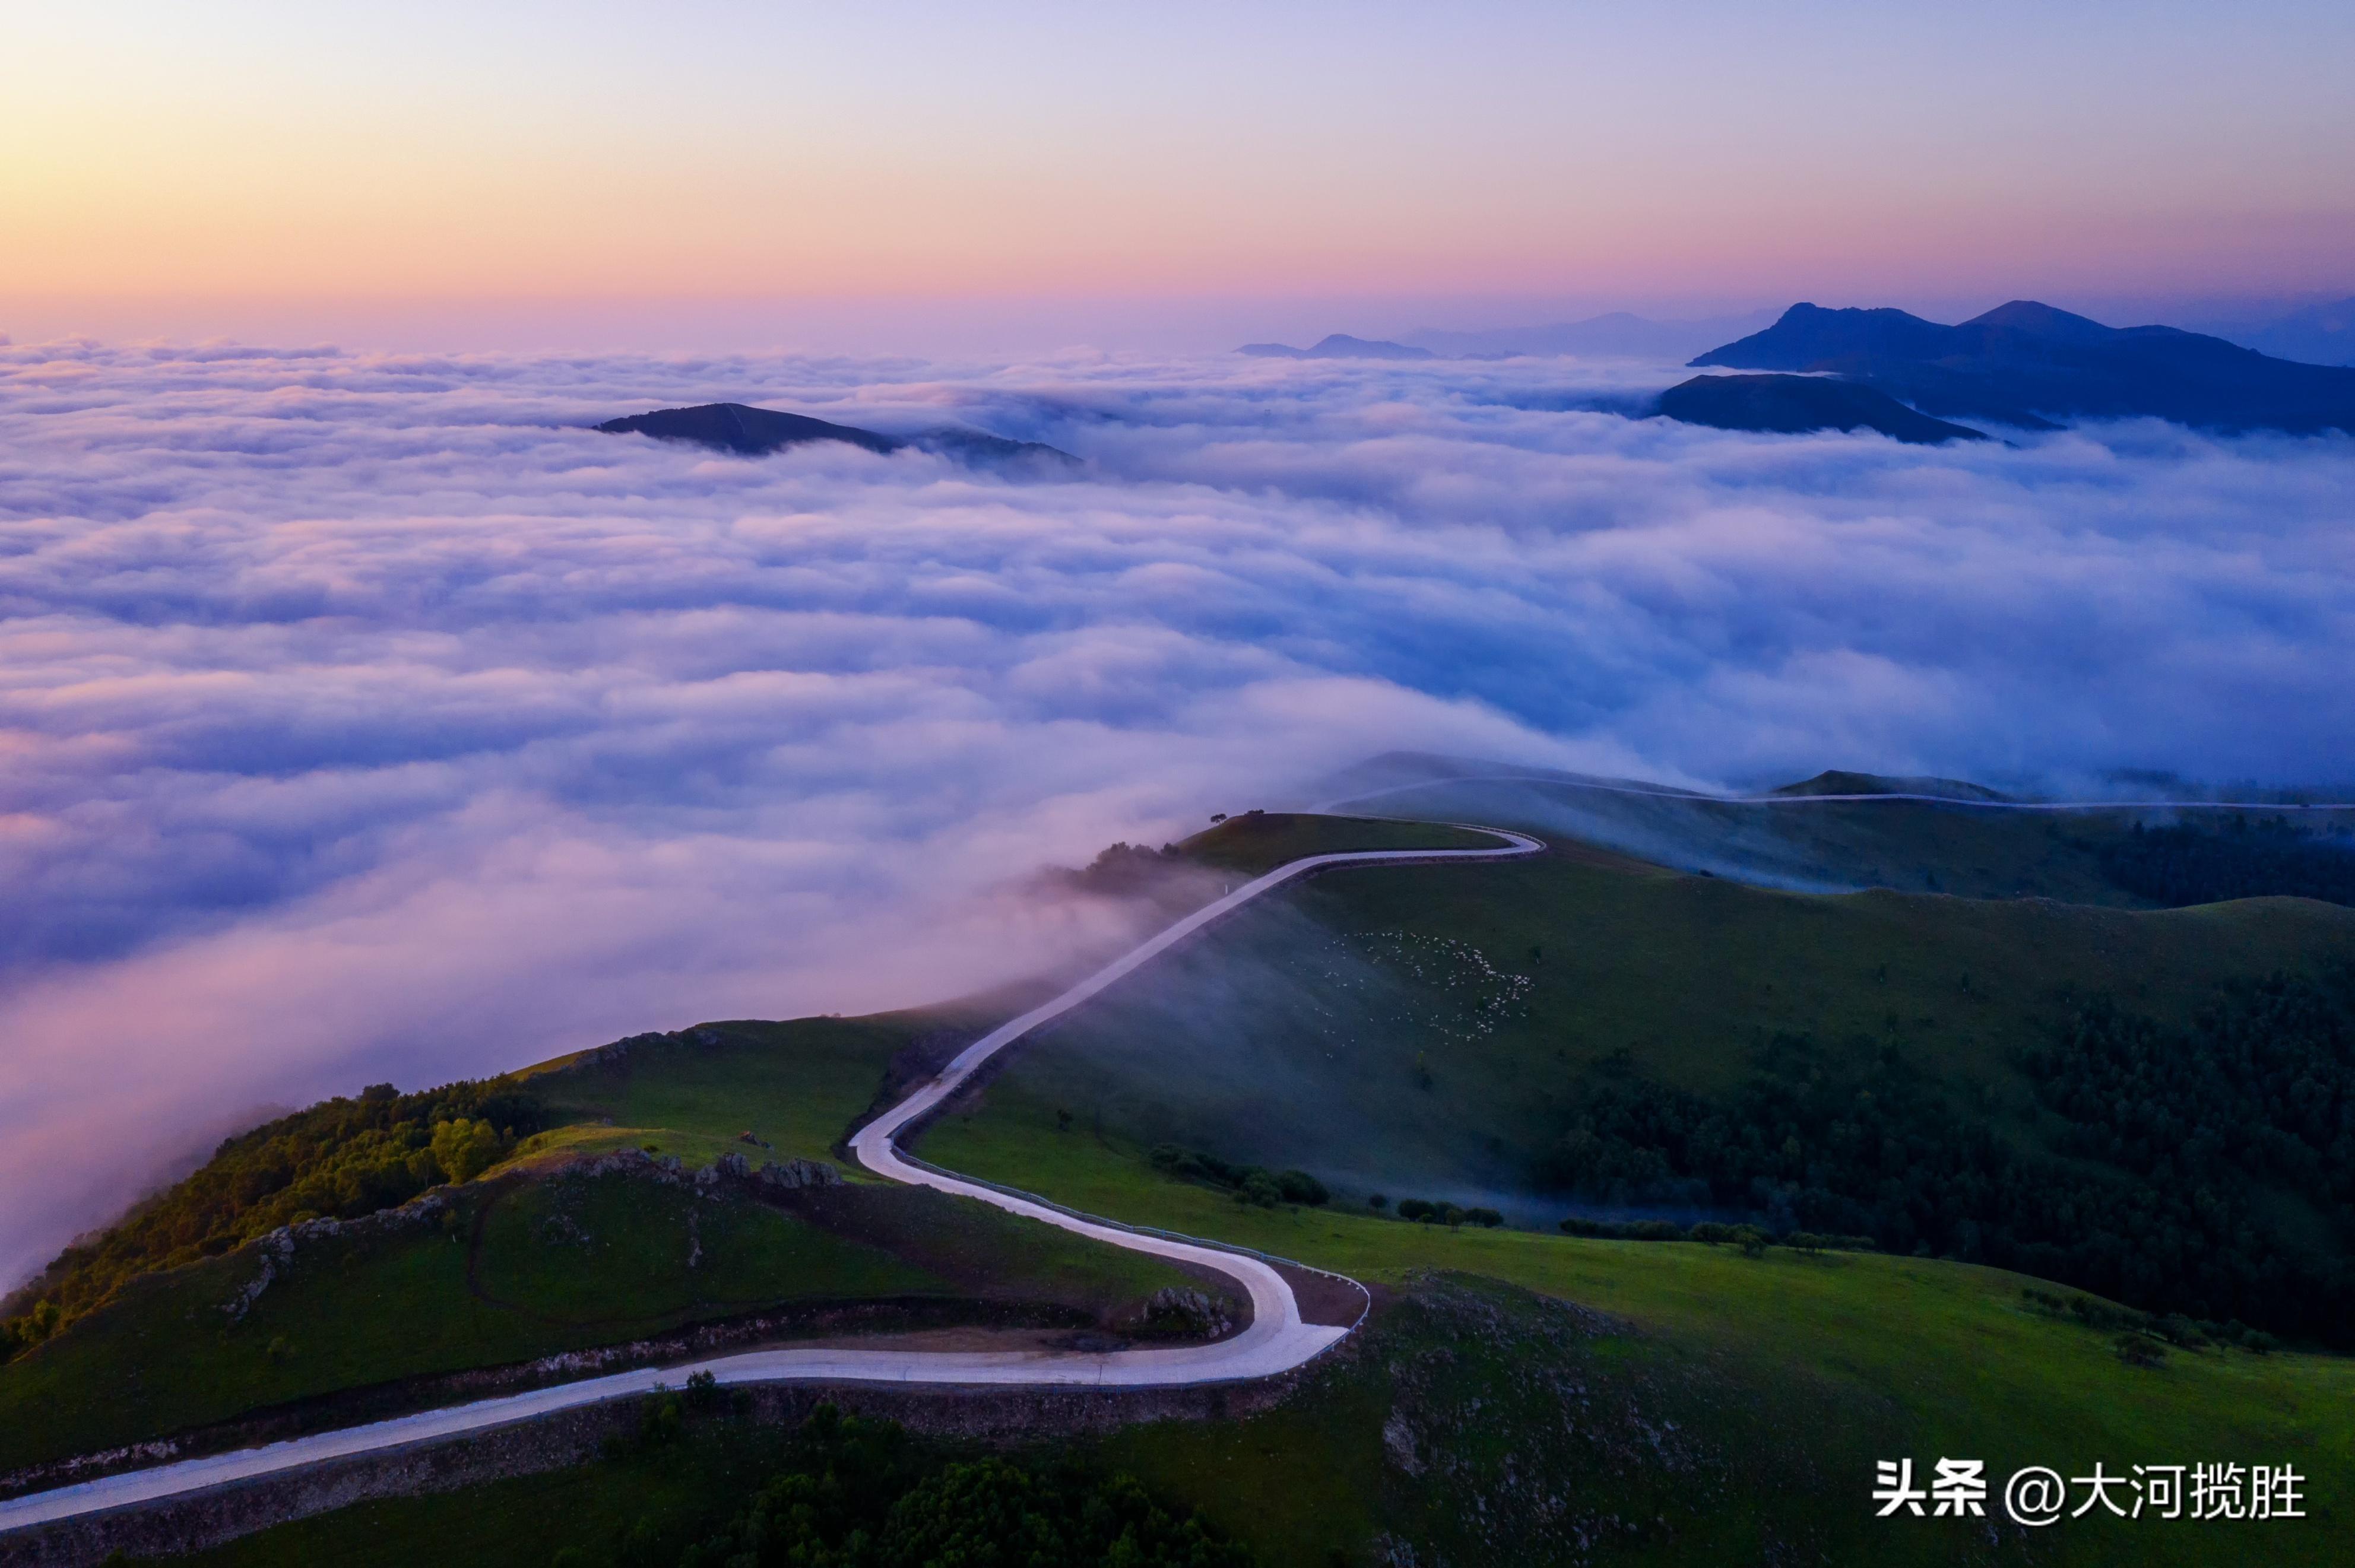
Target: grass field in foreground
(664, 1493)
(1933, 1358)
(1471, 1422)
(1423, 1431)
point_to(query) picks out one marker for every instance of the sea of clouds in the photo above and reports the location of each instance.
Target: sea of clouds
(371, 717)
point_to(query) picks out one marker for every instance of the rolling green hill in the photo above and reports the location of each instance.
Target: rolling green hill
(2127, 856)
(559, 1247)
(1518, 1396)
(1259, 842)
(1786, 1376)
(1943, 1074)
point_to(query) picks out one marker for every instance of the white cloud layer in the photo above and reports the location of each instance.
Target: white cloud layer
(369, 717)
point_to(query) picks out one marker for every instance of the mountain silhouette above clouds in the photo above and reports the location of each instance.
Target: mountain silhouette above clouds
(2033, 366)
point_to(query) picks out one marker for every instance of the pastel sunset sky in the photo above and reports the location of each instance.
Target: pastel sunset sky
(580, 172)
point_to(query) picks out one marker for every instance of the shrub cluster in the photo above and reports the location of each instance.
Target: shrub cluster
(856, 1493)
(1712, 1231)
(1122, 869)
(2178, 1133)
(1430, 1213)
(1249, 1183)
(2186, 1333)
(344, 1158)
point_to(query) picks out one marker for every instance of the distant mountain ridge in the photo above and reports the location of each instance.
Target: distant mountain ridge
(2317, 334)
(748, 431)
(1800, 404)
(1618, 334)
(2027, 364)
(1339, 345)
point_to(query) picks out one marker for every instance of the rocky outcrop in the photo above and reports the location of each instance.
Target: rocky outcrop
(276, 1250)
(1194, 1314)
(790, 1175)
(794, 1174)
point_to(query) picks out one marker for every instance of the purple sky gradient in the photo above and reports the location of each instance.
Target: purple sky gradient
(938, 178)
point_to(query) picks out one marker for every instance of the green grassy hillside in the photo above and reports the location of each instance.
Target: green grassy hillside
(799, 1088)
(532, 1258)
(1786, 1376)
(1259, 842)
(1421, 1025)
(1526, 1400)
(2128, 857)
(1576, 1025)
(509, 1270)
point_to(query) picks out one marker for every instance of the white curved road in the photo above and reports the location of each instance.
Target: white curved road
(1276, 1340)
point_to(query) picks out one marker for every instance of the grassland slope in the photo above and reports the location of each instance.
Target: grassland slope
(1733, 1406)
(1965, 842)
(586, 1235)
(1533, 1034)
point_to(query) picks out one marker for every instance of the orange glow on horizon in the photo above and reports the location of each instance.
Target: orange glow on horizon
(313, 156)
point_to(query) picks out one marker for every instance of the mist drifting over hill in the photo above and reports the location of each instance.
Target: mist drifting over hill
(374, 717)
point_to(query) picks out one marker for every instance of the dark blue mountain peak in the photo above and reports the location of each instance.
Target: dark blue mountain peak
(2027, 364)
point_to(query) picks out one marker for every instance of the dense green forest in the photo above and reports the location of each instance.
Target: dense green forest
(2186, 1138)
(341, 1159)
(2183, 866)
(857, 1493)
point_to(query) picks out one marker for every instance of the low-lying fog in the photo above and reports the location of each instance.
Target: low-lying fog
(368, 717)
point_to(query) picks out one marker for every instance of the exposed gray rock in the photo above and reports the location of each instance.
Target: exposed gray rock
(624, 1046)
(1175, 1309)
(798, 1173)
(276, 1250)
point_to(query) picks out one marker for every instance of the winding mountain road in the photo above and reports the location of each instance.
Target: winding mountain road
(1276, 1340)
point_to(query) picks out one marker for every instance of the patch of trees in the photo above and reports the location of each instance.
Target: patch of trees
(2262, 1084)
(1749, 1239)
(2178, 1133)
(1425, 1212)
(2173, 1328)
(1122, 869)
(2184, 865)
(1249, 1183)
(342, 1159)
(856, 1493)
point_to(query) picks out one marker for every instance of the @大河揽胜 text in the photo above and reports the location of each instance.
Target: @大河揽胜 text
(2036, 1495)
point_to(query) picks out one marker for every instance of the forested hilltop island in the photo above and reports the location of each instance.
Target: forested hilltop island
(1693, 1164)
